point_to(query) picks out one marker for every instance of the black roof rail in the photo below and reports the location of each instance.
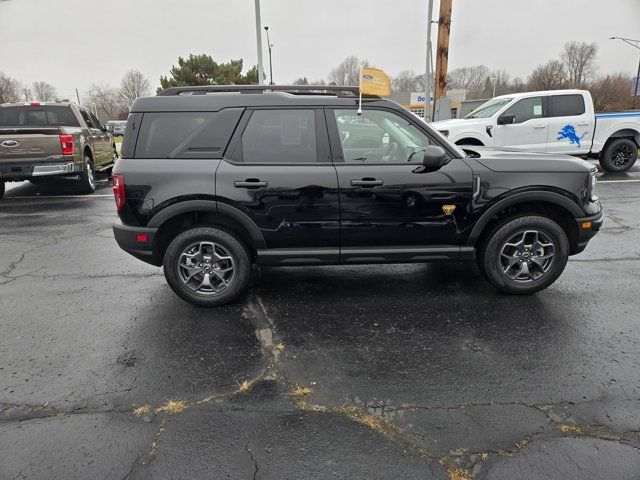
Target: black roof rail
(339, 91)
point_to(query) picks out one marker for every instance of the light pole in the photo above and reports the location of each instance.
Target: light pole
(633, 43)
(259, 43)
(266, 29)
(493, 80)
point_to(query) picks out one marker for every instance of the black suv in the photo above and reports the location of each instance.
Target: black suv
(215, 179)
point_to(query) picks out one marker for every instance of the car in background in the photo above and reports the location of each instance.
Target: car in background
(40, 141)
(554, 121)
(116, 127)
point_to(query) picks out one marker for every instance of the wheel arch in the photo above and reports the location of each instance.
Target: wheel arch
(181, 216)
(470, 140)
(628, 132)
(553, 205)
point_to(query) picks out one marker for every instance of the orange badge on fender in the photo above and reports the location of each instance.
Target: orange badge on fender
(448, 209)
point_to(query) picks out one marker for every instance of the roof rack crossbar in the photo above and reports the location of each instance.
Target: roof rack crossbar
(340, 91)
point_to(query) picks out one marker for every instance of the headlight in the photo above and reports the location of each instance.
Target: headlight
(592, 187)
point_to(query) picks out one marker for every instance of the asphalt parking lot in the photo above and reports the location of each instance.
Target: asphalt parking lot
(372, 372)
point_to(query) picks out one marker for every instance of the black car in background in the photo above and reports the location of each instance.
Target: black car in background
(215, 179)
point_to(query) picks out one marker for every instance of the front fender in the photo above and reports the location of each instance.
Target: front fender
(522, 197)
(485, 140)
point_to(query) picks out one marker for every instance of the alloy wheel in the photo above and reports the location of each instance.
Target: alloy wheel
(206, 268)
(621, 155)
(527, 256)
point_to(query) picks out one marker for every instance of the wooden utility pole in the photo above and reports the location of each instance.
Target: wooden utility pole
(442, 55)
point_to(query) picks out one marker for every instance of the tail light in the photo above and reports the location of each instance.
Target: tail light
(66, 142)
(118, 190)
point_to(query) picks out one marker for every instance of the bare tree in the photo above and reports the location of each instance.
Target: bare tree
(550, 76)
(406, 81)
(9, 89)
(106, 100)
(473, 79)
(133, 85)
(348, 71)
(579, 59)
(301, 81)
(611, 92)
(45, 92)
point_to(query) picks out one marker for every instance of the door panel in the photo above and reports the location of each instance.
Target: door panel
(386, 198)
(290, 188)
(295, 206)
(407, 209)
(529, 130)
(570, 126)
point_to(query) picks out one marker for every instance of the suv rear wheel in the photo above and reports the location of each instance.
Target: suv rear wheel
(524, 255)
(207, 266)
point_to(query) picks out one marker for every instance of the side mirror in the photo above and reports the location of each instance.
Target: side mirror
(434, 158)
(506, 119)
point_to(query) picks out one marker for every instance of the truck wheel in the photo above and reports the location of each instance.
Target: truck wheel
(619, 155)
(1, 188)
(524, 255)
(88, 177)
(207, 267)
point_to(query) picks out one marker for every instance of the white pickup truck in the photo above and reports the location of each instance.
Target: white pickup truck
(555, 121)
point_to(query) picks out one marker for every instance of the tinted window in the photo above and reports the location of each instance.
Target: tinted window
(525, 109)
(87, 118)
(186, 134)
(566, 105)
(279, 136)
(95, 121)
(378, 136)
(42, 116)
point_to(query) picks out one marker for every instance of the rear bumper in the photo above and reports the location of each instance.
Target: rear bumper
(138, 241)
(22, 171)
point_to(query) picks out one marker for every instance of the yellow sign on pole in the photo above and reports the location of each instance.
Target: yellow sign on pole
(374, 81)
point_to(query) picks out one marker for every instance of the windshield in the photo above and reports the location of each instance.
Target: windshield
(488, 109)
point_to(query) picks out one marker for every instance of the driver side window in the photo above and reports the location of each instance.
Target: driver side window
(525, 109)
(378, 136)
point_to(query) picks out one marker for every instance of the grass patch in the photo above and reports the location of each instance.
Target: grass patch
(143, 410)
(173, 406)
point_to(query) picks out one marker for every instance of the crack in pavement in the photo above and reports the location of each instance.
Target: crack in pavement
(255, 463)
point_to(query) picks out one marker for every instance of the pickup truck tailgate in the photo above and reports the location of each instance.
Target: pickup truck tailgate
(32, 145)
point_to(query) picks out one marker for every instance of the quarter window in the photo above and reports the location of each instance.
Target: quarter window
(278, 136)
(378, 136)
(186, 134)
(566, 105)
(525, 109)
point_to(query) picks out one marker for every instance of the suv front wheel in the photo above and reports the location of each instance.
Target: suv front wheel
(524, 255)
(207, 266)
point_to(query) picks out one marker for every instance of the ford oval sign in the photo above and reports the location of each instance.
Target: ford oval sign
(9, 143)
(367, 77)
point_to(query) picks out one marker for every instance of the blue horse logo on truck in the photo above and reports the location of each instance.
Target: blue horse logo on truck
(569, 131)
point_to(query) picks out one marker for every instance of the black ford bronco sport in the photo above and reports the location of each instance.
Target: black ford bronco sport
(215, 179)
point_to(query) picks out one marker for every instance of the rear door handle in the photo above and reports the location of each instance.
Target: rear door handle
(367, 182)
(583, 123)
(250, 183)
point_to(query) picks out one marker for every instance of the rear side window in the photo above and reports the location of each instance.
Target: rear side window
(42, 116)
(566, 105)
(278, 136)
(186, 134)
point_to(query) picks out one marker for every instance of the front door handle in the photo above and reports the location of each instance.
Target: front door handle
(583, 123)
(539, 126)
(367, 182)
(250, 183)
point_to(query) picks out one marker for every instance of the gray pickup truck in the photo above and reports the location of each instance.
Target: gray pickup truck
(40, 141)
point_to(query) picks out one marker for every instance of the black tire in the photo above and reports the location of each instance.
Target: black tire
(619, 155)
(492, 262)
(226, 243)
(87, 179)
(38, 180)
(1, 188)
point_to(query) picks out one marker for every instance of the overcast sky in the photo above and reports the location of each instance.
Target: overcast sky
(73, 43)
